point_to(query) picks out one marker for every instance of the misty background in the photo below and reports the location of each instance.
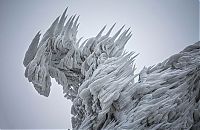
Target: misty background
(160, 29)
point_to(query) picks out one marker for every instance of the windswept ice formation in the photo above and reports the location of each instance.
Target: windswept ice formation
(98, 77)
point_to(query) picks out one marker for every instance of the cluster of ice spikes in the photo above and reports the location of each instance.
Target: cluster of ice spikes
(98, 77)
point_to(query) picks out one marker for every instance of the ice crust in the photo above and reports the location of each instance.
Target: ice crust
(98, 77)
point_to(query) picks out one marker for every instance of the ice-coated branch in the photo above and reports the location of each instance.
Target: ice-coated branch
(97, 75)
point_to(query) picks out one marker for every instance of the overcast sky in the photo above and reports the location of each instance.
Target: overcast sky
(160, 28)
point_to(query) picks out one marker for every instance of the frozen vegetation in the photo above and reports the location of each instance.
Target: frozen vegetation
(98, 77)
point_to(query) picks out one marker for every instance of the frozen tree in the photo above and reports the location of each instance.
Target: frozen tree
(98, 77)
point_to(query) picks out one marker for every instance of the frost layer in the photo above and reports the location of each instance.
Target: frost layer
(98, 77)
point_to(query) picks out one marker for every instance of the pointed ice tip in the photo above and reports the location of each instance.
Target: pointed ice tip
(68, 22)
(77, 17)
(78, 42)
(63, 15)
(74, 16)
(122, 27)
(32, 49)
(80, 39)
(66, 17)
(116, 34)
(100, 33)
(56, 19)
(76, 21)
(129, 35)
(55, 22)
(39, 33)
(110, 30)
(128, 29)
(64, 12)
(136, 55)
(72, 20)
(83, 43)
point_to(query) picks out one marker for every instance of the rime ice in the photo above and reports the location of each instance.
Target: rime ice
(98, 77)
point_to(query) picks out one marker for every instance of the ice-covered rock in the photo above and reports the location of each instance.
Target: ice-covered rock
(98, 77)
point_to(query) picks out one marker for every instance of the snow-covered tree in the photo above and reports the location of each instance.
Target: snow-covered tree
(98, 77)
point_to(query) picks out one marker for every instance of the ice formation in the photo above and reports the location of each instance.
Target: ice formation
(98, 77)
